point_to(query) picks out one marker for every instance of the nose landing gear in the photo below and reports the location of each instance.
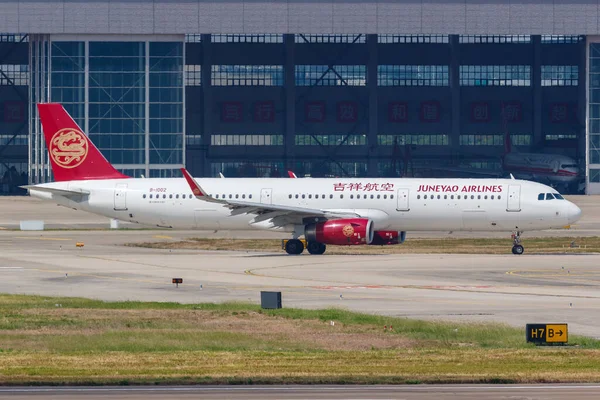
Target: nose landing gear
(517, 248)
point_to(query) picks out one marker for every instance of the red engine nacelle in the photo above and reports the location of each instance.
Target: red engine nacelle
(381, 238)
(341, 232)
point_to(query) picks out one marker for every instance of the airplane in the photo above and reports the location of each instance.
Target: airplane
(325, 211)
(552, 169)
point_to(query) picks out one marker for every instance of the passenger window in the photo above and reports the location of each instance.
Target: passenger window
(374, 196)
(310, 196)
(439, 197)
(170, 196)
(458, 197)
(391, 196)
(176, 196)
(164, 196)
(249, 196)
(479, 197)
(230, 196)
(351, 196)
(451, 197)
(549, 196)
(418, 196)
(237, 196)
(243, 196)
(144, 196)
(499, 197)
(341, 196)
(303, 196)
(472, 197)
(322, 196)
(492, 197)
(331, 196)
(289, 196)
(385, 196)
(485, 197)
(425, 197)
(378, 196)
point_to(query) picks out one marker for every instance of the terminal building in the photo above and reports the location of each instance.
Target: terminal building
(335, 88)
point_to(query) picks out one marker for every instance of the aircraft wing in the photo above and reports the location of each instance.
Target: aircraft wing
(245, 207)
(60, 192)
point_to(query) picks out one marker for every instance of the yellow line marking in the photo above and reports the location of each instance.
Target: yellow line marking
(162, 237)
(40, 238)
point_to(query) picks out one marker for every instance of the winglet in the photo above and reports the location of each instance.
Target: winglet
(221, 175)
(196, 189)
(512, 177)
(291, 174)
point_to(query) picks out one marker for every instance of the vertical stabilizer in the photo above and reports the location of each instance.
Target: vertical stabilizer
(72, 155)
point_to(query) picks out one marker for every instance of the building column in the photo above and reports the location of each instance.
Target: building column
(289, 84)
(207, 102)
(372, 63)
(582, 105)
(454, 70)
(536, 76)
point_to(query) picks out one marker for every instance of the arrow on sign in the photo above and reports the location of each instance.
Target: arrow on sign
(560, 333)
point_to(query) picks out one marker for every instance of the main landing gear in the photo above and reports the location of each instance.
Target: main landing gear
(517, 248)
(295, 246)
(316, 247)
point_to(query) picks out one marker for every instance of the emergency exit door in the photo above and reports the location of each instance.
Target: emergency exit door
(265, 196)
(403, 199)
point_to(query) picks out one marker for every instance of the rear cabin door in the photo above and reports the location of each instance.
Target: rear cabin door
(265, 196)
(121, 197)
(514, 198)
(403, 195)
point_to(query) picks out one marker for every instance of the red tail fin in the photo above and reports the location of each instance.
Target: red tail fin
(72, 154)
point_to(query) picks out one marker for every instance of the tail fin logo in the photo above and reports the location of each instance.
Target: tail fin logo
(69, 147)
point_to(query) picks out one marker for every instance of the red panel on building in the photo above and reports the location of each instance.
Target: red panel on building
(480, 112)
(512, 111)
(231, 111)
(14, 111)
(314, 111)
(264, 111)
(559, 113)
(430, 111)
(397, 111)
(347, 111)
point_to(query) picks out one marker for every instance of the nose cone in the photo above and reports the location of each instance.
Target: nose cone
(573, 213)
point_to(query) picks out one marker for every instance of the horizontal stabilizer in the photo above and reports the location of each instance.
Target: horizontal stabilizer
(59, 192)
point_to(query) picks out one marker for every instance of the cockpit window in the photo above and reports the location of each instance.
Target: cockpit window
(541, 196)
(549, 196)
(558, 196)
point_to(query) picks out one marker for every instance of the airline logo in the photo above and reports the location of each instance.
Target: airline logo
(68, 148)
(348, 230)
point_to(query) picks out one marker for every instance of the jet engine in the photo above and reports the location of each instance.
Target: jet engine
(381, 238)
(341, 232)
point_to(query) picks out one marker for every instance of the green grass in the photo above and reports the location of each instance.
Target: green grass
(47, 340)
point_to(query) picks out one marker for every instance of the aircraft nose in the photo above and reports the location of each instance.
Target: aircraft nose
(573, 213)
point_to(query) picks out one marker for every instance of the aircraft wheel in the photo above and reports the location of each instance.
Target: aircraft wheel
(316, 248)
(294, 246)
(518, 249)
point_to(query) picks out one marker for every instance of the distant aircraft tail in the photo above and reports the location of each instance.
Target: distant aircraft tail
(72, 155)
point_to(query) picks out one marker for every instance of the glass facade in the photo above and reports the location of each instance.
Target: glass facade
(126, 95)
(594, 116)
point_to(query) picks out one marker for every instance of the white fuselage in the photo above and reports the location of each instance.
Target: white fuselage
(412, 205)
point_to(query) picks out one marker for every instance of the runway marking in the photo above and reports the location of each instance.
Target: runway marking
(40, 238)
(315, 388)
(350, 287)
(11, 267)
(162, 237)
